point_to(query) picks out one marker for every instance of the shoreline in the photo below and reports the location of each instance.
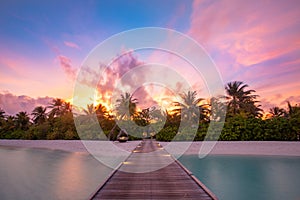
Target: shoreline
(267, 148)
(247, 148)
(73, 146)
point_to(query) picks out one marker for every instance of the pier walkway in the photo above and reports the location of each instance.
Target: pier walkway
(170, 182)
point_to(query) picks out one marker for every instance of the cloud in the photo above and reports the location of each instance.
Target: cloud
(248, 32)
(142, 78)
(255, 42)
(51, 45)
(292, 99)
(71, 45)
(66, 65)
(267, 104)
(144, 98)
(179, 12)
(190, 77)
(65, 62)
(117, 83)
(122, 75)
(12, 104)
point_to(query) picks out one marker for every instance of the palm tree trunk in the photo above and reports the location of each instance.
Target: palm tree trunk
(112, 131)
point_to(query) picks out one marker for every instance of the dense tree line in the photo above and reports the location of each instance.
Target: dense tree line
(57, 123)
(243, 120)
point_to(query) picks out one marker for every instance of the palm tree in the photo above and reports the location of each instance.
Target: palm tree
(101, 112)
(126, 107)
(22, 120)
(218, 108)
(240, 99)
(2, 114)
(190, 107)
(157, 115)
(39, 115)
(293, 115)
(90, 114)
(8, 126)
(143, 117)
(173, 118)
(56, 107)
(2, 117)
(90, 109)
(293, 111)
(66, 107)
(277, 112)
(254, 110)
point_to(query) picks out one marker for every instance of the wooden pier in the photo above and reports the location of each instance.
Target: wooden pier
(170, 182)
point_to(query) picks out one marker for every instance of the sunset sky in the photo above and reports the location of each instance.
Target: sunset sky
(43, 43)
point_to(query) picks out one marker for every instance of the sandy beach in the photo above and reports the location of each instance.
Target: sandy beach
(248, 148)
(66, 145)
(221, 148)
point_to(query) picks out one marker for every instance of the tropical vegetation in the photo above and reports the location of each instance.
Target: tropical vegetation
(244, 119)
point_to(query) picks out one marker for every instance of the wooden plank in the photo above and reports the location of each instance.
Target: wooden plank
(170, 182)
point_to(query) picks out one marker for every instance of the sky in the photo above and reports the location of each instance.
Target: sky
(44, 44)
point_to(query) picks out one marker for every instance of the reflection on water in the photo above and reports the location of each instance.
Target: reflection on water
(48, 174)
(248, 177)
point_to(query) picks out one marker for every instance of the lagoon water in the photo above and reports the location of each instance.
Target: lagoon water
(31, 173)
(248, 177)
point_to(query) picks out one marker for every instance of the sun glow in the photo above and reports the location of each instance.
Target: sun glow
(69, 100)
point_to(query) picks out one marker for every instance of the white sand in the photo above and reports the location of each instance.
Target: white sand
(248, 148)
(66, 145)
(221, 148)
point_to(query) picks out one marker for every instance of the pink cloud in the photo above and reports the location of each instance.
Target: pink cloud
(292, 99)
(12, 104)
(54, 48)
(107, 81)
(177, 15)
(255, 42)
(114, 73)
(66, 65)
(248, 32)
(71, 45)
(182, 67)
(144, 98)
(16, 65)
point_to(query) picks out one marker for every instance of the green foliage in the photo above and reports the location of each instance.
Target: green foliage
(201, 132)
(186, 133)
(126, 106)
(91, 131)
(39, 115)
(19, 127)
(167, 133)
(236, 128)
(243, 122)
(62, 127)
(39, 132)
(280, 129)
(22, 121)
(242, 100)
(17, 134)
(240, 128)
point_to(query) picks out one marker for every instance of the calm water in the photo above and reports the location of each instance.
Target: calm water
(48, 174)
(248, 177)
(52, 174)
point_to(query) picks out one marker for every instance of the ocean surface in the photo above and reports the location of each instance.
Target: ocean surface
(31, 173)
(248, 177)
